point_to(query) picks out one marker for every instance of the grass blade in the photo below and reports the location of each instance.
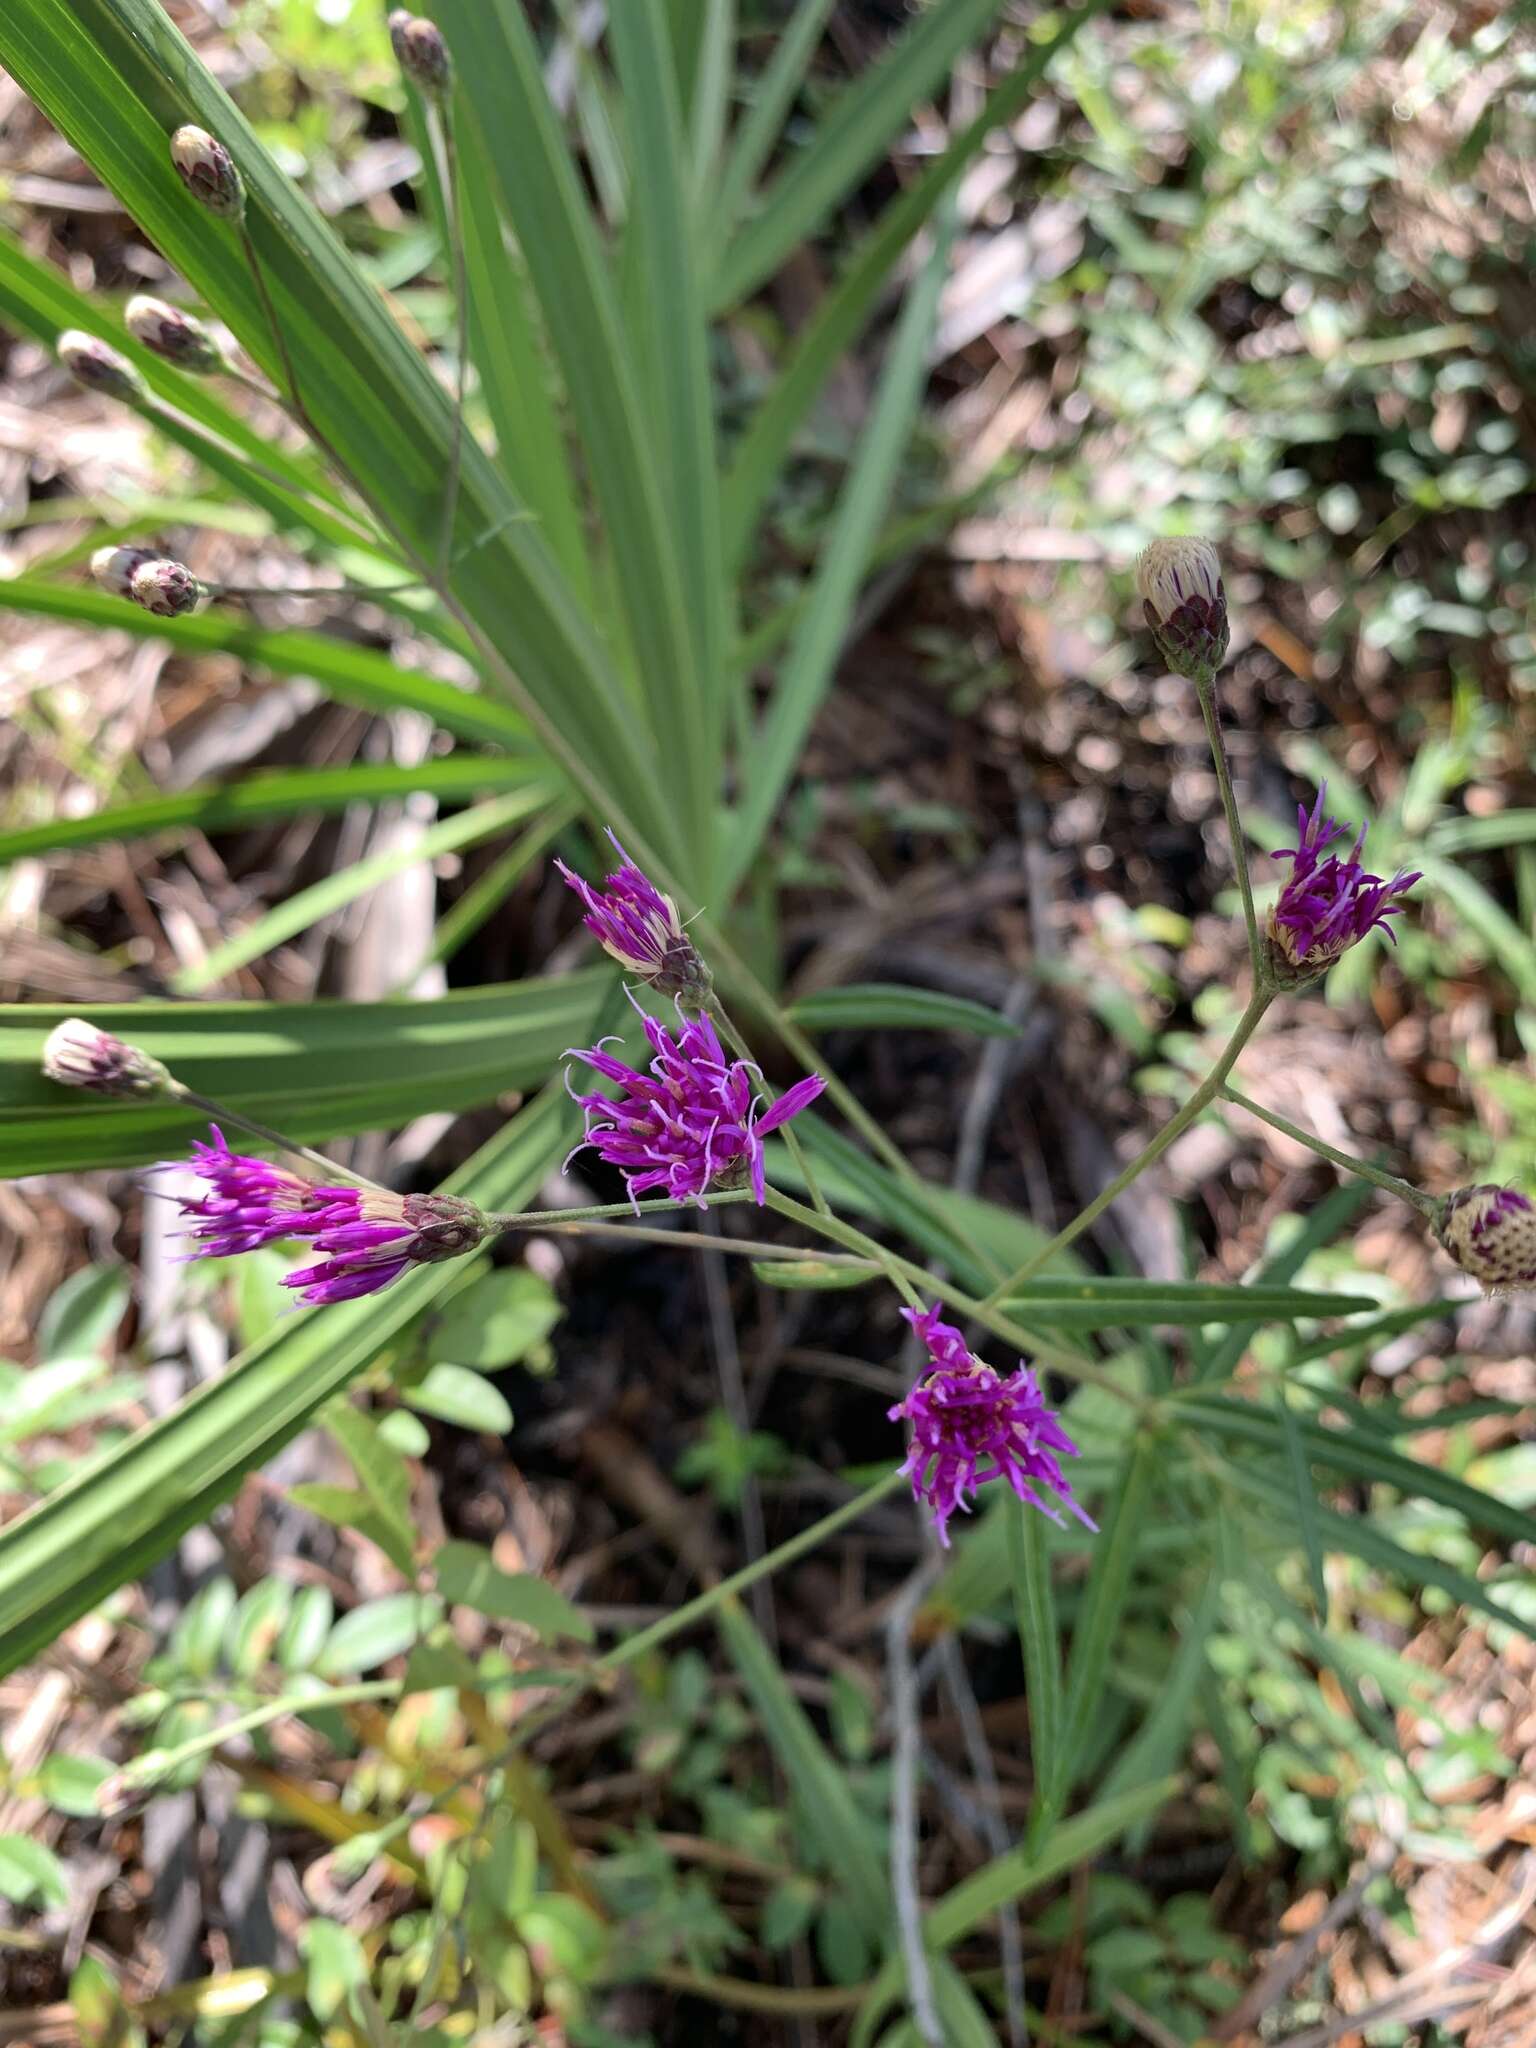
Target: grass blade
(809, 664)
(820, 1788)
(772, 96)
(259, 799)
(333, 892)
(1109, 1580)
(860, 125)
(1034, 1607)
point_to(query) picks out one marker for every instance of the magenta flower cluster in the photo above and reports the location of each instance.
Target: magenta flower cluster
(640, 928)
(694, 1122)
(970, 1424)
(369, 1237)
(1327, 903)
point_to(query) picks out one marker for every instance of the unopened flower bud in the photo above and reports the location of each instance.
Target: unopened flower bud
(420, 50)
(166, 588)
(177, 336)
(1185, 605)
(98, 366)
(208, 171)
(113, 567)
(1491, 1233)
(81, 1055)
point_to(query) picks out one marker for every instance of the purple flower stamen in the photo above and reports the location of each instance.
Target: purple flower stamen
(970, 1424)
(369, 1236)
(1327, 904)
(634, 922)
(694, 1122)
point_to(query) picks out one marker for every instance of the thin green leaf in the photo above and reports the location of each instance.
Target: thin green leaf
(821, 1790)
(352, 675)
(502, 88)
(1034, 1608)
(773, 93)
(467, 1577)
(276, 793)
(854, 133)
(806, 672)
(1103, 1603)
(836, 323)
(862, 1006)
(325, 897)
(381, 1472)
(1105, 1304)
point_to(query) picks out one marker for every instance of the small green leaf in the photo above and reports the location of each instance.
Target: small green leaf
(456, 1393)
(335, 1966)
(256, 1625)
(31, 1875)
(384, 1475)
(787, 1912)
(864, 1006)
(841, 1943)
(307, 1626)
(467, 1577)
(404, 1433)
(496, 1322)
(378, 1630)
(70, 1784)
(810, 1274)
(197, 1640)
(81, 1315)
(431, 1667)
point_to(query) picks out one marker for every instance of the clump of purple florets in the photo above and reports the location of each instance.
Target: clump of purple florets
(970, 1424)
(369, 1236)
(694, 1122)
(1328, 903)
(631, 920)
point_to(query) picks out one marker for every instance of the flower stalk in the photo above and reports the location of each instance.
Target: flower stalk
(1405, 1191)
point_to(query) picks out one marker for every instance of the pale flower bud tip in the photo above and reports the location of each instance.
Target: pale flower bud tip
(176, 336)
(113, 566)
(1185, 605)
(419, 50)
(97, 365)
(81, 1055)
(208, 171)
(164, 587)
(1491, 1233)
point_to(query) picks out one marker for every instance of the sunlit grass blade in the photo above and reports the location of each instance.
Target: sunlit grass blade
(858, 126)
(706, 54)
(458, 925)
(837, 320)
(312, 1070)
(347, 672)
(820, 1788)
(264, 797)
(811, 659)
(519, 138)
(663, 230)
(334, 891)
(127, 1509)
(517, 377)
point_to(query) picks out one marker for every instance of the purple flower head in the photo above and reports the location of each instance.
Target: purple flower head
(694, 1122)
(969, 1424)
(369, 1236)
(1491, 1233)
(1327, 903)
(631, 919)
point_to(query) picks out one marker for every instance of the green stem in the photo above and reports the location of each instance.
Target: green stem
(445, 149)
(916, 1282)
(1211, 713)
(1200, 1101)
(222, 1112)
(508, 1219)
(1404, 1190)
(159, 1763)
(746, 1247)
